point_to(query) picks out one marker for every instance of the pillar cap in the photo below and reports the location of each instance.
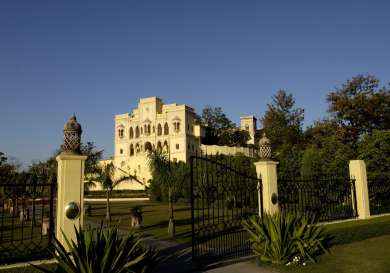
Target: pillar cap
(65, 156)
(266, 162)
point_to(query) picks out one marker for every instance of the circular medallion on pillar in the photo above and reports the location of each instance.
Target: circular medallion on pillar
(72, 210)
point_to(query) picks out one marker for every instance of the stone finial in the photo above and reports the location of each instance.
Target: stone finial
(264, 147)
(72, 136)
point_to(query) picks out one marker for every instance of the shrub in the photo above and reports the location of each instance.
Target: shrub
(282, 238)
(102, 250)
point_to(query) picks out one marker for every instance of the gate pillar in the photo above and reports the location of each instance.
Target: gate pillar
(70, 178)
(357, 170)
(266, 170)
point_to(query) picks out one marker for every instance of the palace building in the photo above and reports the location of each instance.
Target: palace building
(170, 127)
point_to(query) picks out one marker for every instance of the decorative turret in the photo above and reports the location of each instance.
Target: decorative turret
(72, 136)
(264, 147)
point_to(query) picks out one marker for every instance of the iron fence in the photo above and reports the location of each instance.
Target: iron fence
(327, 197)
(26, 218)
(222, 195)
(379, 193)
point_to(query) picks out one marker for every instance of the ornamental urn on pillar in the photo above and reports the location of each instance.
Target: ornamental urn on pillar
(72, 137)
(265, 148)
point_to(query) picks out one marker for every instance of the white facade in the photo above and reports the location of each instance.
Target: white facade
(248, 123)
(154, 125)
(170, 127)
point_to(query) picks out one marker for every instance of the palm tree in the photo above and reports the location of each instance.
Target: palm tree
(105, 176)
(171, 177)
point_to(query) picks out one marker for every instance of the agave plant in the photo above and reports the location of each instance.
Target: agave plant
(102, 250)
(281, 237)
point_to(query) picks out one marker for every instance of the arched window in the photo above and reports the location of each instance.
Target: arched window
(159, 130)
(120, 133)
(131, 149)
(165, 146)
(159, 146)
(137, 148)
(131, 132)
(176, 126)
(148, 147)
(166, 129)
(147, 129)
(136, 132)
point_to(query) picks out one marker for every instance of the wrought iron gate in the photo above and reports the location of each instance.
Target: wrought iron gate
(26, 217)
(221, 196)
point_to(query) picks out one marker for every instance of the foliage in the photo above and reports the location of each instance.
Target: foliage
(374, 149)
(167, 176)
(105, 176)
(282, 122)
(50, 165)
(233, 137)
(102, 250)
(93, 156)
(3, 158)
(217, 123)
(289, 157)
(360, 106)
(170, 177)
(7, 170)
(280, 237)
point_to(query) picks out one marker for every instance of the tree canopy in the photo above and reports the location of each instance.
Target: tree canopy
(282, 121)
(360, 106)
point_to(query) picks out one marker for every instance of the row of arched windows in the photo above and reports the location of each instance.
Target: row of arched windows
(146, 129)
(137, 148)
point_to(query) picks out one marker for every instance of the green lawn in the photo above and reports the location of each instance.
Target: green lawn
(358, 246)
(155, 217)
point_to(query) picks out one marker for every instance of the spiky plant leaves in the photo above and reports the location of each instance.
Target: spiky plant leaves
(280, 237)
(102, 250)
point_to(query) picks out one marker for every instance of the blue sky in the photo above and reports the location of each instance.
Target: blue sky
(97, 58)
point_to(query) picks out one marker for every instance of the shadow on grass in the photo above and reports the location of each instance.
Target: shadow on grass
(345, 233)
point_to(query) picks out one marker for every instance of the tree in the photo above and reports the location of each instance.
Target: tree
(233, 137)
(327, 149)
(289, 158)
(171, 176)
(217, 122)
(7, 170)
(50, 165)
(282, 122)
(360, 106)
(374, 149)
(94, 156)
(105, 176)
(3, 158)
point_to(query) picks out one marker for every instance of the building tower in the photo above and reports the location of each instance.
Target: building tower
(248, 123)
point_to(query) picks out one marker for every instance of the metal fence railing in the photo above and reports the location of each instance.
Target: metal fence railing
(327, 197)
(26, 219)
(379, 193)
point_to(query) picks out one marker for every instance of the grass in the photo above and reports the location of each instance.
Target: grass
(358, 246)
(370, 255)
(155, 218)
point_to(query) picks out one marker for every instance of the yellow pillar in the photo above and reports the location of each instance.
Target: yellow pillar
(357, 170)
(70, 192)
(266, 170)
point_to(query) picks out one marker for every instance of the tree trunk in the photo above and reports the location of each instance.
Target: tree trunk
(171, 224)
(108, 214)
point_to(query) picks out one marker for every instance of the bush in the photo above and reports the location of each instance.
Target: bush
(286, 238)
(102, 250)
